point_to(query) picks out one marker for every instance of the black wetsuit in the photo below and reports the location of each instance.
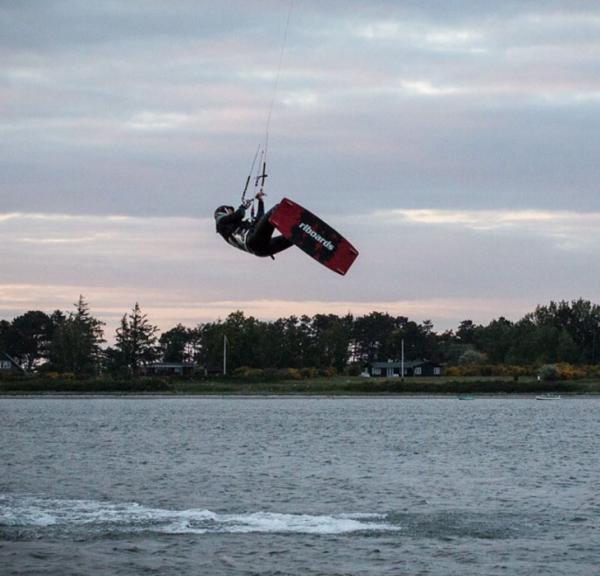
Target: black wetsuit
(254, 236)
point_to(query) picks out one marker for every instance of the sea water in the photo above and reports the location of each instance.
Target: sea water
(306, 486)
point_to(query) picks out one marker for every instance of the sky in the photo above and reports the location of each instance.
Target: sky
(455, 144)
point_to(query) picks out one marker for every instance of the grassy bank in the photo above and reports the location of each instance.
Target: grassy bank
(315, 386)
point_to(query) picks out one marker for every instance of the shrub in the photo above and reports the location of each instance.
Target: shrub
(570, 372)
(549, 372)
(53, 375)
(354, 370)
(293, 374)
(593, 371)
(472, 357)
(500, 370)
(308, 373)
(249, 373)
(328, 372)
(271, 374)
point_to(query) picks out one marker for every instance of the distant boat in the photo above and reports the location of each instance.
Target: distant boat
(548, 397)
(466, 397)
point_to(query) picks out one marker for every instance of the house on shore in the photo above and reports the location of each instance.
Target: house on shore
(392, 368)
(169, 369)
(8, 365)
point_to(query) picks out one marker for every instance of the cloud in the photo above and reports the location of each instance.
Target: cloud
(490, 219)
(571, 231)
(425, 88)
(435, 264)
(454, 143)
(423, 35)
(65, 236)
(158, 120)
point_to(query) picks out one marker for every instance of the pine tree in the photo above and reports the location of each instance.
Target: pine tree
(76, 341)
(136, 340)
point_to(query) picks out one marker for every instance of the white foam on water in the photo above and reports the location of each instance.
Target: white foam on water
(28, 511)
(302, 523)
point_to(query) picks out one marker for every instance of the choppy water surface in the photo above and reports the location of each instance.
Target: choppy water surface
(299, 486)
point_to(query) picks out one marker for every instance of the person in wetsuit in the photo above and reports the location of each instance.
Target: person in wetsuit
(254, 236)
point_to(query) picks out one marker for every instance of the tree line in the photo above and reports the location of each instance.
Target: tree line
(73, 342)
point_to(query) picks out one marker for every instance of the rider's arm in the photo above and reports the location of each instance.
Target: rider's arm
(233, 218)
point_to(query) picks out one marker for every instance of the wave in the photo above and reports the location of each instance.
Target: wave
(28, 512)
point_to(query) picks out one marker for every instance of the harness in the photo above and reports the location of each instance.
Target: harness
(238, 238)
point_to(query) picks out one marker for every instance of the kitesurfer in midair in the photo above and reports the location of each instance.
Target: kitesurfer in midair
(254, 235)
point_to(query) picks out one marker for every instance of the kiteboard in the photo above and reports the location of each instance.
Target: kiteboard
(313, 236)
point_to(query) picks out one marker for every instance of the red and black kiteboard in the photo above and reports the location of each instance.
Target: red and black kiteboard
(313, 236)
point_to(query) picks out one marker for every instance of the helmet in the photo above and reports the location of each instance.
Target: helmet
(223, 211)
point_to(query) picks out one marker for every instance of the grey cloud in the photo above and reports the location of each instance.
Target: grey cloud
(517, 130)
(155, 108)
(70, 24)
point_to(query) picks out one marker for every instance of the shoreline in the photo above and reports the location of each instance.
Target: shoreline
(341, 386)
(277, 396)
